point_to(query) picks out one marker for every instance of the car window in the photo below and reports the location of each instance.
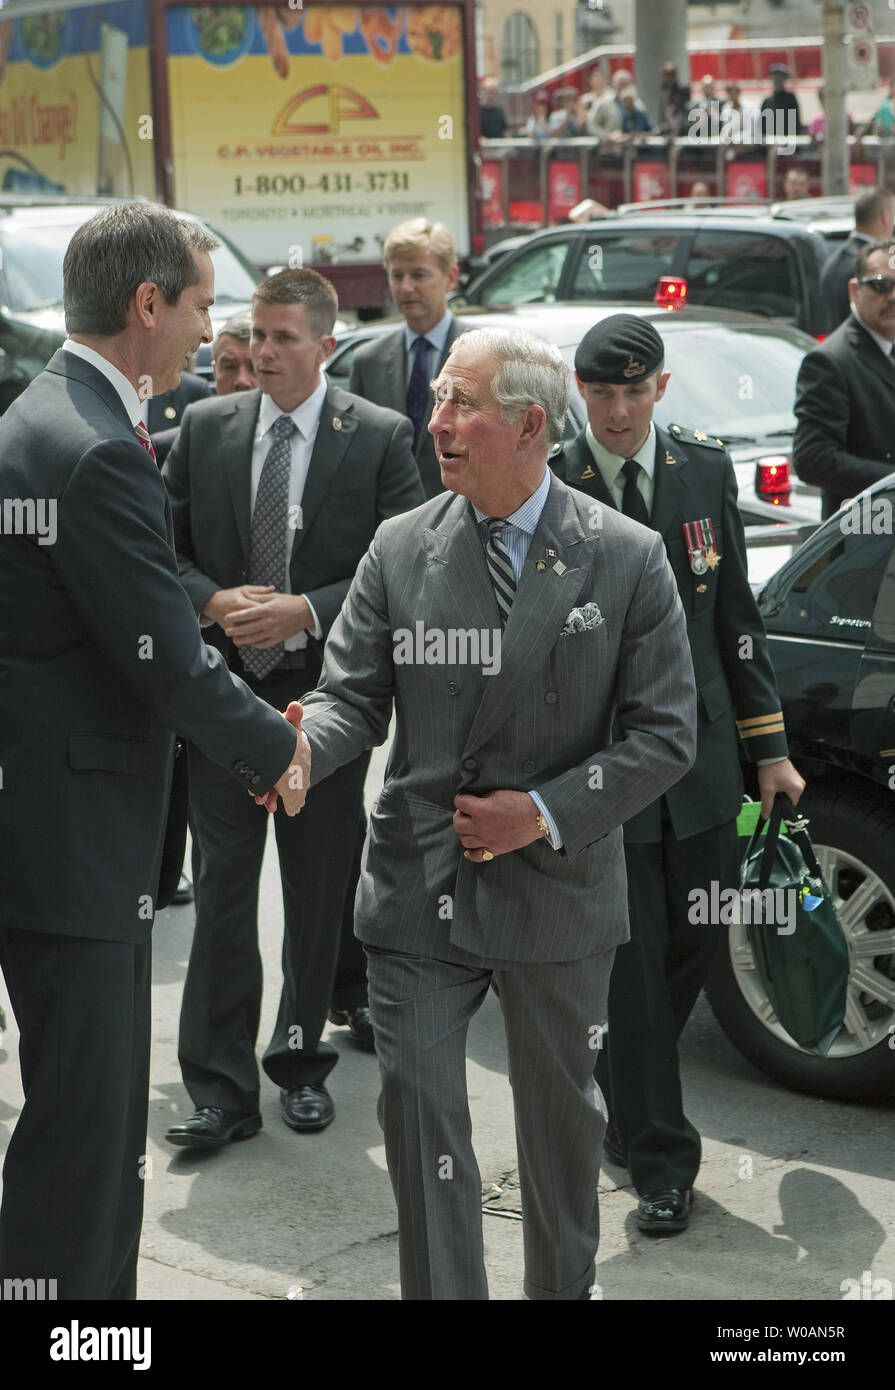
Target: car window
(31, 258)
(750, 271)
(532, 277)
(625, 268)
(739, 386)
(340, 363)
(833, 593)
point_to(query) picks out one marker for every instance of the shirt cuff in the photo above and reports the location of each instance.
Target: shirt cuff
(316, 630)
(763, 762)
(554, 837)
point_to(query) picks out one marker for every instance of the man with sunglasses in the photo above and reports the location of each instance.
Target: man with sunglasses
(845, 394)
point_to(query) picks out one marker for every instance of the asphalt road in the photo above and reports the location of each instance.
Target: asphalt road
(795, 1196)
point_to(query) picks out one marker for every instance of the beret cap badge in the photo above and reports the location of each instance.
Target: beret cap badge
(634, 368)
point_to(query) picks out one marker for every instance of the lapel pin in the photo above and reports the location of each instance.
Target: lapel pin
(701, 588)
(559, 567)
(541, 565)
(588, 472)
(170, 412)
(551, 554)
(669, 457)
(337, 423)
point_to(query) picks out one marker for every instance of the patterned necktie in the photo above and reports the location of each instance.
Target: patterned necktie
(418, 386)
(143, 436)
(633, 504)
(500, 567)
(270, 534)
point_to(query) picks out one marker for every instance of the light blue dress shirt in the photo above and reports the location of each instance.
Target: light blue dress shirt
(437, 337)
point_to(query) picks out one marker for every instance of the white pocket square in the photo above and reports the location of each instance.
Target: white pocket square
(582, 620)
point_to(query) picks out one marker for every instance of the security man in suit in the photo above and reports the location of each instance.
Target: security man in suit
(276, 494)
(874, 217)
(845, 392)
(682, 484)
(395, 371)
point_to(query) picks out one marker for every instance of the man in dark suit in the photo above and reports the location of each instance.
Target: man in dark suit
(276, 495)
(100, 657)
(845, 393)
(874, 217)
(395, 371)
(493, 855)
(682, 484)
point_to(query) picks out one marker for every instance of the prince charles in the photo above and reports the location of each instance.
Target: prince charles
(494, 853)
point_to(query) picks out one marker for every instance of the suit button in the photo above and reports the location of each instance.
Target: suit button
(256, 779)
(238, 767)
(453, 688)
(551, 697)
(470, 764)
(528, 766)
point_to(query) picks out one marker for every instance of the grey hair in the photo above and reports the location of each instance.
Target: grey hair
(119, 249)
(532, 372)
(239, 326)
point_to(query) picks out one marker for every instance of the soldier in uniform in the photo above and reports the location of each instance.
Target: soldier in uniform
(681, 483)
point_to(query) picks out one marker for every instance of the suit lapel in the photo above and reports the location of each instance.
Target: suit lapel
(669, 482)
(237, 428)
(870, 353)
(393, 368)
(543, 600)
(335, 432)
(582, 472)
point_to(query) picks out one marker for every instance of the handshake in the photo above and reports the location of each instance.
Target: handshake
(292, 787)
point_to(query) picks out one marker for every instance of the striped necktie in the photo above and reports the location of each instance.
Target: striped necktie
(143, 436)
(500, 567)
(270, 534)
(418, 387)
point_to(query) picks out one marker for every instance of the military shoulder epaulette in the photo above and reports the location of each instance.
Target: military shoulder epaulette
(686, 436)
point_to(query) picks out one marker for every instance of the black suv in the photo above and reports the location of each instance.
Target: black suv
(830, 617)
(729, 259)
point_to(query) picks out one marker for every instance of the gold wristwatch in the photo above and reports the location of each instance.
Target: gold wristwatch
(542, 825)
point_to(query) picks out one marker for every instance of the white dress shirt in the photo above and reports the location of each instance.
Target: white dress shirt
(306, 418)
(129, 398)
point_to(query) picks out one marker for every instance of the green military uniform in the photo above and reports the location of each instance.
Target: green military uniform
(687, 838)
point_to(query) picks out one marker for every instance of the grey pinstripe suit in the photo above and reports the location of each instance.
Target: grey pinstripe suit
(618, 697)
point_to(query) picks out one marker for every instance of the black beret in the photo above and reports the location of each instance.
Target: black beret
(619, 350)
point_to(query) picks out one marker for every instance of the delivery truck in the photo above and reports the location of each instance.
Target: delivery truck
(302, 131)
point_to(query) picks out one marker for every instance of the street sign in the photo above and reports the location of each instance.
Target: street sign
(859, 16)
(863, 63)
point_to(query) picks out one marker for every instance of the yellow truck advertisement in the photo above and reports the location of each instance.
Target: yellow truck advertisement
(305, 134)
(75, 102)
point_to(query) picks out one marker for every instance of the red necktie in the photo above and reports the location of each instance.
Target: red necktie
(143, 436)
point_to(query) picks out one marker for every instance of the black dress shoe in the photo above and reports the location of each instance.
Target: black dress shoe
(184, 893)
(666, 1211)
(307, 1107)
(612, 1147)
(210, 1127)
(360, 1025)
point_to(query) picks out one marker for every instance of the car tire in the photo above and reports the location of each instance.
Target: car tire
(852, 827)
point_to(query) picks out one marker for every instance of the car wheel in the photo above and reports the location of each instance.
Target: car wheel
(853, 832)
